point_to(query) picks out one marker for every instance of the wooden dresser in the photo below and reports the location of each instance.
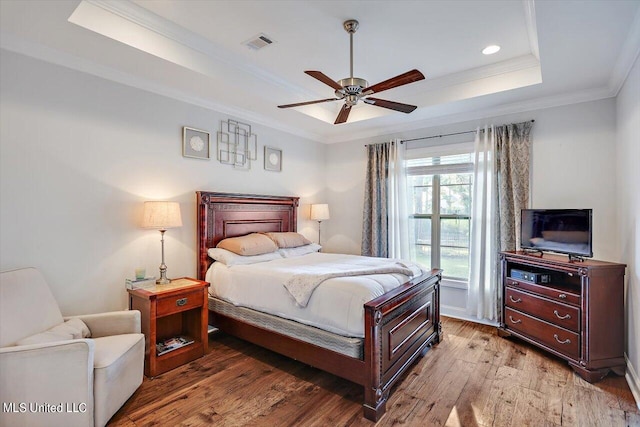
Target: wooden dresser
(574, 310)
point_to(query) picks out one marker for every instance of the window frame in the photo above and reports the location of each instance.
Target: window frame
(435, 171)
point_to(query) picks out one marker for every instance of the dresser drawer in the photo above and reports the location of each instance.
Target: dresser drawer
(563, 315)
(180, 302)
(559, 339)
(561, 295)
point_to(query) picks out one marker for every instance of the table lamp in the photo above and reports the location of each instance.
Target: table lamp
(161, 216)
(320, 212)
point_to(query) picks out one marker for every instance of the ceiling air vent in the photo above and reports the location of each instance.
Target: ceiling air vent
(259, 41)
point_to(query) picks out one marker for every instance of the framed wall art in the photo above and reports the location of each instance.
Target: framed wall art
(195, 143)
(272, 159)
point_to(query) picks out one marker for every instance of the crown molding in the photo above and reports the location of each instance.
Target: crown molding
(144, 18)
(11, 43)
(486, 113)
(628, 55)
(532, 26)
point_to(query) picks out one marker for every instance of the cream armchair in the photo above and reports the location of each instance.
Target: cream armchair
(56, 371)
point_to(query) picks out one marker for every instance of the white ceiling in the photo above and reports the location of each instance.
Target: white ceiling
(553, 53)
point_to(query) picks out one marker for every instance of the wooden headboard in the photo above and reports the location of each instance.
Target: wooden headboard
(222, 215)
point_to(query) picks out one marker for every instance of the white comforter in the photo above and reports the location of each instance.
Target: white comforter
(336, 305)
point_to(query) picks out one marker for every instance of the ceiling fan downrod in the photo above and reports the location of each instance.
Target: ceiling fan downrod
(351, 87)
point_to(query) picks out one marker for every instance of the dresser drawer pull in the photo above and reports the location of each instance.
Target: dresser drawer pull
(180, 302)
(562, 296)
(567, 341)
(511, 283)
(566, 316)
(515, 300)
(514, 321)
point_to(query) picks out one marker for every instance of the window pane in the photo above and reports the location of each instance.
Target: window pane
(455, 194)
(454, 232)
(454, 247)
(422, 240)
(422, 230)
(423, 255)
(455, 262)
(422, 191)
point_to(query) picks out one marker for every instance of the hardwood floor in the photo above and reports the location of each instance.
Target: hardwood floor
(472, 378)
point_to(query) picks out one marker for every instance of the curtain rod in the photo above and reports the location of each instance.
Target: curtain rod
(445, 134)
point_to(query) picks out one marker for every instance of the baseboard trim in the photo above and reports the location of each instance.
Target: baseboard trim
(461, 313)
(632, 379)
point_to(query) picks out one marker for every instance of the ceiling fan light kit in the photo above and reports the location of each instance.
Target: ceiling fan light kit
(352, 89)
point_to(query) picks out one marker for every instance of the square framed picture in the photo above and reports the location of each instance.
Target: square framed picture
(272, 159)
(195, 143)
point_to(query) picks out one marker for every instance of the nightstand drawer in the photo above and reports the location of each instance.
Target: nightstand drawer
(180, 302)
(563, 315)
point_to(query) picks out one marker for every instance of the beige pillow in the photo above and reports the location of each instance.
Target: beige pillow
(251, 244)
(70, 330)
(288, 239)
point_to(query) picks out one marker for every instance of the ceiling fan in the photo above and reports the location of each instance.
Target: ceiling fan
(352, 89)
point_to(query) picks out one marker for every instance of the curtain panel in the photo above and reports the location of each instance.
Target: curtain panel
(398, 203)
(482, 299)
(375, 225)
(501, 190)
(513, 153)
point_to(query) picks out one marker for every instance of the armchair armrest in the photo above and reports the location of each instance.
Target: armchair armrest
(58, 374)
(112, 323)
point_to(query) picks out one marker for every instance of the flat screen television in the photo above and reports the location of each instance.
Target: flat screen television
(566, 231)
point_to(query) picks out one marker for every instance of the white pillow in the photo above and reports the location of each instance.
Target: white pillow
(229, 258)
(300, 250)
(70, 330)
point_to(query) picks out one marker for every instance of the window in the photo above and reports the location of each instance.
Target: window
(440, 188)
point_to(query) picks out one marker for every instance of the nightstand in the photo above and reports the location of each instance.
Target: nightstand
(176, 310)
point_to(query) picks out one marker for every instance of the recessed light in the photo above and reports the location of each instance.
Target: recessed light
(490, 50)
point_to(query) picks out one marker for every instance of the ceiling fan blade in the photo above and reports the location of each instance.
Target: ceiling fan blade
(308, 103)
(391, 105)
(343, 115)
(402, 79)
(324, 79)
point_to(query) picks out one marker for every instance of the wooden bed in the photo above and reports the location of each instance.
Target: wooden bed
(400, 325)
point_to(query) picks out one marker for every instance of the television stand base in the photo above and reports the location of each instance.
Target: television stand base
(576, 258)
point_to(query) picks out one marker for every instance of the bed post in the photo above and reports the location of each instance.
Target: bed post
(375, 400)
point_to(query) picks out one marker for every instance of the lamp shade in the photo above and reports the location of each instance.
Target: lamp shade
(320, 212)
(161, 215)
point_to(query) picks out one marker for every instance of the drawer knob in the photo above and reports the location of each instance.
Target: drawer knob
(562, 296)
(567, 341)
(566, 316)
(515, 300)
(180, 302)
(514, 321)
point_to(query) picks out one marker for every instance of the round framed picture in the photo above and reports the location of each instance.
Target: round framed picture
(272, 159)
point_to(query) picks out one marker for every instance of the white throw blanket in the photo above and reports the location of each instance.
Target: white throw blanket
(301, 286)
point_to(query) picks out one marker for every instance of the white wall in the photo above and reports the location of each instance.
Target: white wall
(574, 166)
(80, 154)
(628, 206)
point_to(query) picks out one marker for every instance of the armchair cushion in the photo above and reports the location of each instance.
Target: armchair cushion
(118, 367)
(70, 330)
(27, 306)
(112, 323)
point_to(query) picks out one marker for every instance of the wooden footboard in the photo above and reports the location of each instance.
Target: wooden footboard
(399, 327)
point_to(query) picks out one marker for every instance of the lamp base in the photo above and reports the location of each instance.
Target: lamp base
(163, 280)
